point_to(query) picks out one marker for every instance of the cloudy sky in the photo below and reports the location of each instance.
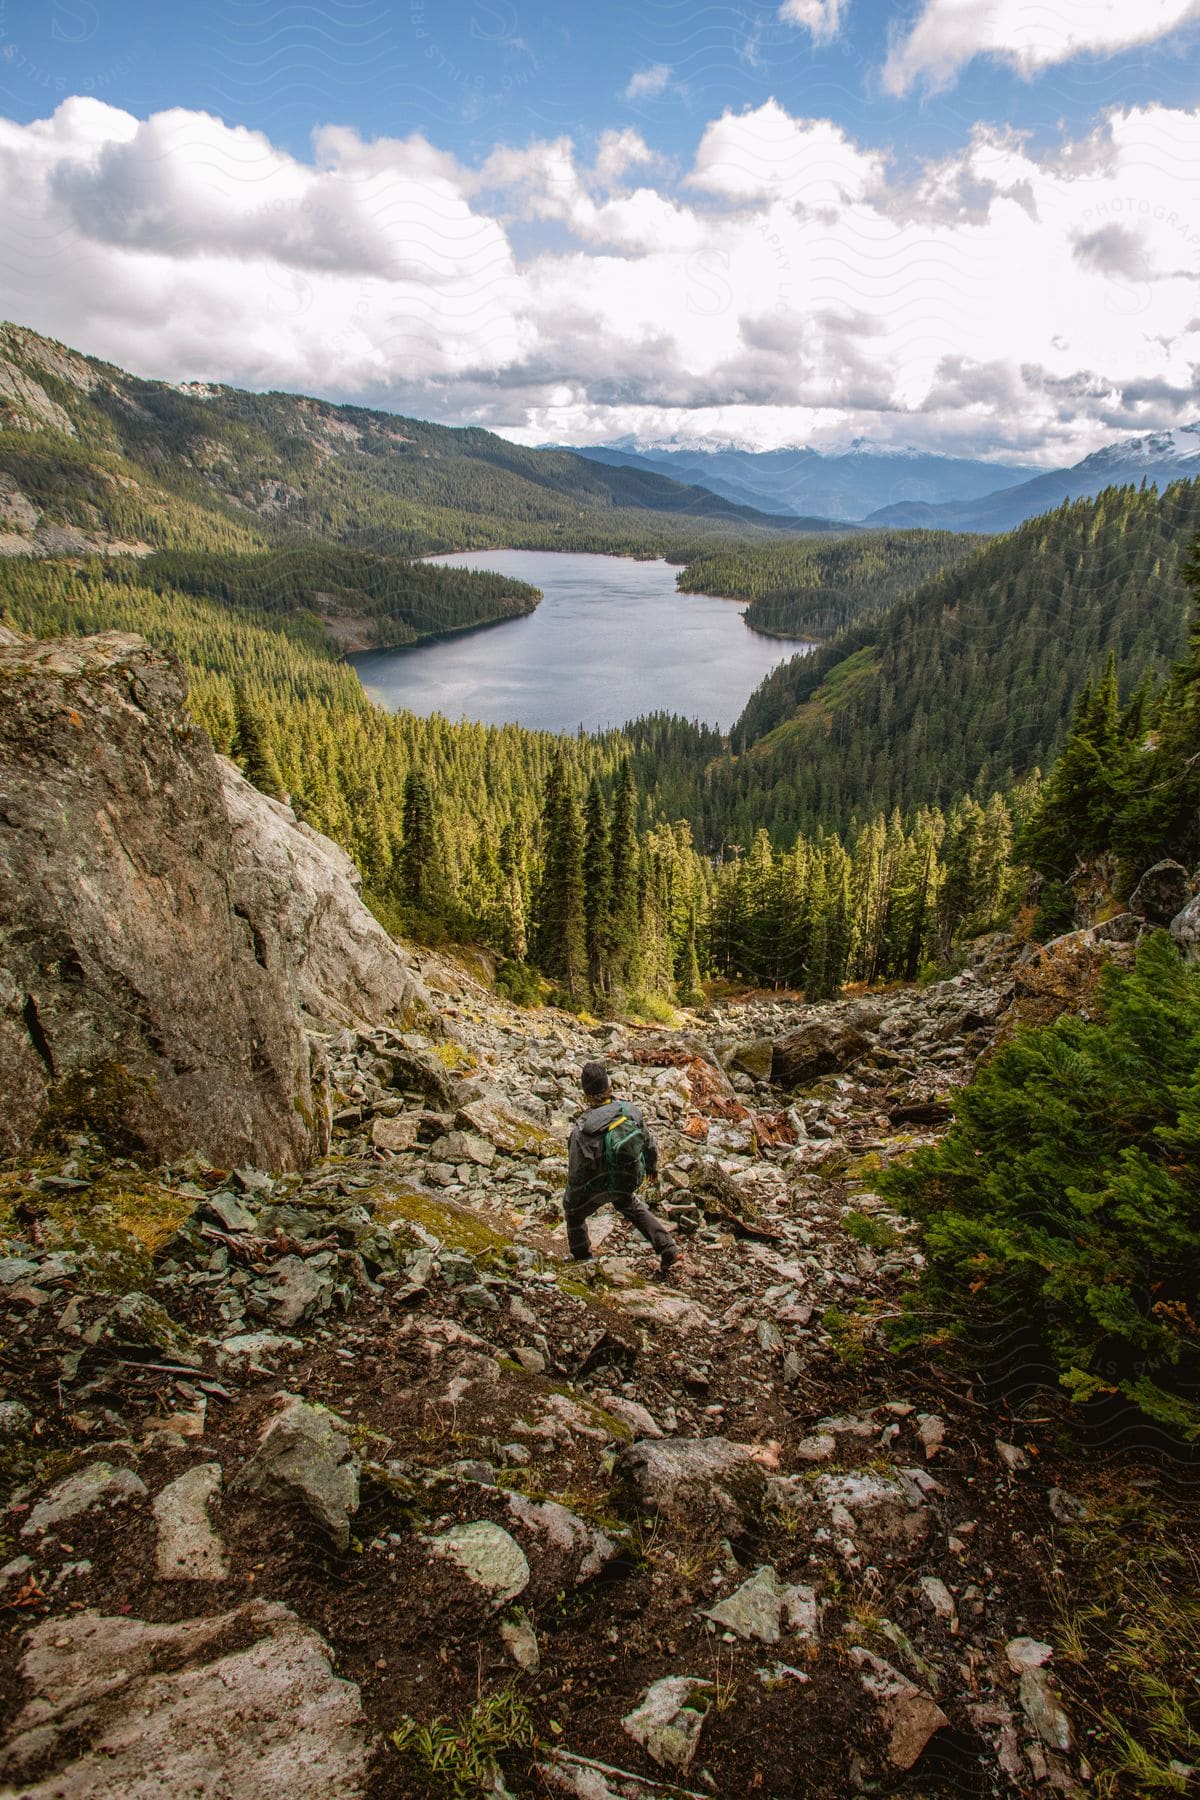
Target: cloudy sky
(969, 225)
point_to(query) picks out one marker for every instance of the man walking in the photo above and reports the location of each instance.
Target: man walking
(610, 1154)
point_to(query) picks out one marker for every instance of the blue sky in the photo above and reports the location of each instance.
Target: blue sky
(470, 72)
(643, 208)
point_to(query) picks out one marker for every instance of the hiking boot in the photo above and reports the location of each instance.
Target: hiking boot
(666, 1263)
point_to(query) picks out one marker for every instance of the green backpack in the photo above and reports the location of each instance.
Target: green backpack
(624, 1155)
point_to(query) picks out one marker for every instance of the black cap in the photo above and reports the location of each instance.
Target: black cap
(594, 1078)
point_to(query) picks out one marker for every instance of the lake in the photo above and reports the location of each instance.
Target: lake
(612, 640)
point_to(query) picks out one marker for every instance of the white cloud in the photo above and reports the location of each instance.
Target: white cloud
(822, 17)
(765, 154)
(792, 286)
(648, 84)
(949, 33)
(618, 152)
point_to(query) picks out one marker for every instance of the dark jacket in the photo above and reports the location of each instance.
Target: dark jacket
(589, 1127)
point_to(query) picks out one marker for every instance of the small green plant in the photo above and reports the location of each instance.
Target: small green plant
(845, 1334)
(654, 1008)
(1135, 1617)
(461, 1759)
(873, 1233)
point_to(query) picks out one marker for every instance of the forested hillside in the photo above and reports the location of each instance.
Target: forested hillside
(971, 681)
(107, 458)
(815, 587)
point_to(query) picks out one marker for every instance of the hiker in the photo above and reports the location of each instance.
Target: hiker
(611, 1153)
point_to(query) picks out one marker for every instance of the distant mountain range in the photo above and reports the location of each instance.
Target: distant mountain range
(848, 484)
(1158, 459)
(907, 488)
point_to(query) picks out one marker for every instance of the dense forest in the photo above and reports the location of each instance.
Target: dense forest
(813, 588)
(970, 682)
(362, 598)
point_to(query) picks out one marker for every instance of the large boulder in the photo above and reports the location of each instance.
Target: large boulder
(300, 894)
(135, 991)
(1163, 891)
(242, 1703)
(168, 932)
(821, 1046)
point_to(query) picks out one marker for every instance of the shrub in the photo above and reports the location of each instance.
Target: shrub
(1066, 1196)
(521, 984)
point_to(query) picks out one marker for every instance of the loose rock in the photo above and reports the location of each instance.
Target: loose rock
(305, 1456)
(488, 1556)
(188, 1548)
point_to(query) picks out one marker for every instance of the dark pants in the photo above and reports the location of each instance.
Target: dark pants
(634, 1211)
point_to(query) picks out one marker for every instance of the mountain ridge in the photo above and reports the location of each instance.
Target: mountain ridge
(94, 459)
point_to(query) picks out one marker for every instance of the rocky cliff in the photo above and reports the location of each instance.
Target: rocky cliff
(168, 936)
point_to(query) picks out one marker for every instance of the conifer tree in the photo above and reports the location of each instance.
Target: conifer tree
(252, 746)
(560, 919)
(690, 991)
(421, 883)
(626, 863)
(597, 884)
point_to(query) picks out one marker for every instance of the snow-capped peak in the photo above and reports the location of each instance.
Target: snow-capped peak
(1141, 452)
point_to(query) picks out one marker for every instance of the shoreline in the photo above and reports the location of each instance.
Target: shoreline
(440, 637)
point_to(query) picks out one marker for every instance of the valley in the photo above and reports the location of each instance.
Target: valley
(321, 1463)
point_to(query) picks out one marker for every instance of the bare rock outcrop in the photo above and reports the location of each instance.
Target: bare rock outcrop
(300, 893)
(241, 1703)
(165, 931)
(1163, 891)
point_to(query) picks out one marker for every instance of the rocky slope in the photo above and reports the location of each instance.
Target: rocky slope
(320, 1465)
(297, 1458)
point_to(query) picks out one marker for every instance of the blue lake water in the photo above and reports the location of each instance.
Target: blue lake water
(612, 640)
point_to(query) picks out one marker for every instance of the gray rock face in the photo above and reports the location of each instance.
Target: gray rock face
(882, 1516)
(705, 1484)
(753, 1610)
(301, 1290)
(822, 1046)
(305, 1457)
(300, 892)
(1039, 1698)
(584, 1548)
(1185, 929)
(244, 1703)
(1163, 891)
(133, 985)
(97, 1485)
(752, 1056)
(906, 1712)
